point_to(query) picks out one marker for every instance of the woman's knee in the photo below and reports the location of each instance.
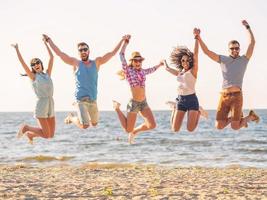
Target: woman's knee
(151, 125)
(191, 128)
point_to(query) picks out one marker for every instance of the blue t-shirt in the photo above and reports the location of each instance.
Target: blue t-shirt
(86, 77)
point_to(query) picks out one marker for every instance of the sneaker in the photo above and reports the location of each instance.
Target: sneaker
(246, 124)
(172, 104)
(253, 116)
(203, 113)
(116, 105)
(67, 120)
(20, 132)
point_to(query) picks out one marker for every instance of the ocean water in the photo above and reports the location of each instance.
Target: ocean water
(206, 147)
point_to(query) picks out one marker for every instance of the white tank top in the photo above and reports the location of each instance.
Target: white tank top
(186, 83)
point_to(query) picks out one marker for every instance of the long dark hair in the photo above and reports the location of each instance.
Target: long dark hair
(34, 60)
(177, 54)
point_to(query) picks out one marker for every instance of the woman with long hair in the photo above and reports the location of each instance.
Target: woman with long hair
(186, 63)
(136, 77)
(43, 88)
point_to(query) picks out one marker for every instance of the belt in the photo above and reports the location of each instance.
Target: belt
(231, 93)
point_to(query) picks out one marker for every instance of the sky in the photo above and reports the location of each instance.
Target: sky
(156, 27)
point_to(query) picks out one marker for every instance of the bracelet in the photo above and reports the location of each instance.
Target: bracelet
(247, 27)
(47, 39)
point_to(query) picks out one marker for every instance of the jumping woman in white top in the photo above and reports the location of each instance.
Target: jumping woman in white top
(186, 63)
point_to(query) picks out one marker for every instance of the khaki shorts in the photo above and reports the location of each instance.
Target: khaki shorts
(230, 102)
(87, 111)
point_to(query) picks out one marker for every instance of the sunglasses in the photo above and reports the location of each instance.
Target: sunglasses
(137, 60)
(234, 48)
(36, 63)
(83, 49)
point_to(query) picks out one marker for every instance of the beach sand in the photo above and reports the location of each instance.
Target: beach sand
(125, 181)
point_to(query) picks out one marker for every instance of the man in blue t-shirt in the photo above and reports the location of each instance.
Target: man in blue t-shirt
(86, 76)
(233, 69)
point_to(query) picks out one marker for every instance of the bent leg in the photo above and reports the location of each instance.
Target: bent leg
(128, 122)
(149, 121)
(192, 119)
(52, 125)
(177, 120)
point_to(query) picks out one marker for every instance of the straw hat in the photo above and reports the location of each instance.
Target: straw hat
(136, 56)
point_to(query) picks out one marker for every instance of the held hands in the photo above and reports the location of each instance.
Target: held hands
(45, 38)
(126, 38)
(245, 23)
(196, 32)
(15, 45)
(161, 63)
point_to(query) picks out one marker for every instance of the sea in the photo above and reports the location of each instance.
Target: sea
(107, 143)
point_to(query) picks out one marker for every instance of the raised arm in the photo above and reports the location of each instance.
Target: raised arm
(251, 38)
(205, 49)
(102, 60)
(24, 65)
(170, 70)
(153, 69)
(67, 59)
(51, 58)
(194, 70)
(126, 39)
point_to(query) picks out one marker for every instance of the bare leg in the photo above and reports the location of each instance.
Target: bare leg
(147, 125)
(177, 120)
(192, 119)
(221, 124)
(236, 125)
(32, 132)
(52, 125)
(128, 122)
(172, 105)
(75, 120)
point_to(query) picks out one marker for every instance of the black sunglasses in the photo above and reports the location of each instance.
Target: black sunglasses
(83, 49)
(234, 48)
(35, 63)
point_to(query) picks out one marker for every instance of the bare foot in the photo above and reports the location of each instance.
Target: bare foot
(172, 104)
(203, 112)
(30, 138)
(67, 120)
(131, 137)
(21, 131)
(253, 116)
(116, 105)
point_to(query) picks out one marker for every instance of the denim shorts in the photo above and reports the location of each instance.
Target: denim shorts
(136, 106)
(187, 102)
(44, 108)
(87, 111)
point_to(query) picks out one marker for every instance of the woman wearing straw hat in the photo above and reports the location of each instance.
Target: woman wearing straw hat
(136, 77)
(186, 63)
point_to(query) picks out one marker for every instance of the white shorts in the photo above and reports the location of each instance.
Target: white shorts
(44, 108)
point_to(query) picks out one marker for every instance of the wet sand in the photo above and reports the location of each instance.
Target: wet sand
(125, 181)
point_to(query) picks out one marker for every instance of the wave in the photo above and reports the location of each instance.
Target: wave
(42, 158)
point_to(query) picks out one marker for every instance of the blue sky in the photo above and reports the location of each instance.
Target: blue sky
(156, 27)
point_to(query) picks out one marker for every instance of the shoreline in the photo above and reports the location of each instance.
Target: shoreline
(130, 181)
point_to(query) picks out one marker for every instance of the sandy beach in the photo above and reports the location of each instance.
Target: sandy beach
(125, 181)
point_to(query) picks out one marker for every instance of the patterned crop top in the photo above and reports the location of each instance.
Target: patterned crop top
(133, 76)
